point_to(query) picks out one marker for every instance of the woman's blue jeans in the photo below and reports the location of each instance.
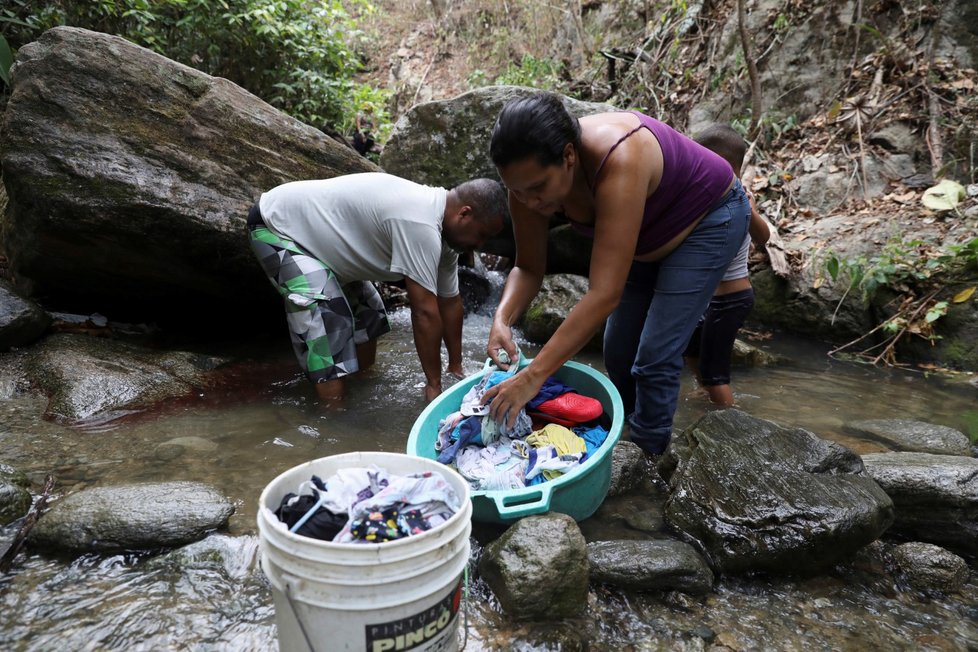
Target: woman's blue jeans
(646, 335)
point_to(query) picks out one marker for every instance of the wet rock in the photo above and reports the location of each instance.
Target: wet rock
(935, 496)
(568, 251)
(914, 436)
(625, 518)
(21, 321)
(87, 377)
(927, 567)
(557, 297)
(538, 568)
(179, 446)
(549, 636)
(649, 566)
(749, 355)
(235, 557)
(132, 517)
(756, 496)
(15, 496)
(474, 286)
(130, 177)
(628, 468)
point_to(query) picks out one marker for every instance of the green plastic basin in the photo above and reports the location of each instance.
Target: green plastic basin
(577, 493)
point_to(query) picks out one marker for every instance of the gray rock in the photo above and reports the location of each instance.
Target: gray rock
(180, 446)
(87, 377)
(822, 190)
(895, 137)
(557, 297)
(756, 496)
(474, 286)
(130, 177)
(444, 143)
(538, 568)
(749, 355)
(914, 436)
(935, 496)
(628, 468)
(132, 517)
(898, 166)
(15, 497)
(235, 557)
(649, 566)
(927, 567)
(21, 321)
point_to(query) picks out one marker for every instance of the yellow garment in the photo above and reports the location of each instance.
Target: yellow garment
(563, 439)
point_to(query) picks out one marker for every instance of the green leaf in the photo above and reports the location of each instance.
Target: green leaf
(6, 60)
(833, 268)
(944, 196)
(936, 312)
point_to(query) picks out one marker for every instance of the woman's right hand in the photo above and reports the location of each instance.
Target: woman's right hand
(501, 339)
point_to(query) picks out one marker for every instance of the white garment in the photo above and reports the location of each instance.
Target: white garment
(367, 227)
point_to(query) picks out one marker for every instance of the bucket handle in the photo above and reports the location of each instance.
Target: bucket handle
(536, 505)
(288, 582)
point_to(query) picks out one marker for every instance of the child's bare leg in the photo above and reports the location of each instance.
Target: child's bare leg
(720, 395)
(331, 392)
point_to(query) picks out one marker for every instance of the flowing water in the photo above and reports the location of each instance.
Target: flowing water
(264, 420)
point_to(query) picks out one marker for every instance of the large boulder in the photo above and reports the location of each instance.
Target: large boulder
(130, 177)
(557, 297)
(132, 517)
(89, 378)
(935, 496)
(757, 496)
(914, 436)
(447, 142)
(21, 320)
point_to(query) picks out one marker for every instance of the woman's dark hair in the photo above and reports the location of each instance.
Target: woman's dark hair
(538, 126)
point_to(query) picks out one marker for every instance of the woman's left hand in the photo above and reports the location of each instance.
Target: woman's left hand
(509, 397)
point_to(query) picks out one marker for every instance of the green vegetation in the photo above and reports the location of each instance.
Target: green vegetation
(919, 272)
(530, 71)
(297, 55)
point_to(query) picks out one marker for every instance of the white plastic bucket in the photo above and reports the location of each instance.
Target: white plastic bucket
(370, 597)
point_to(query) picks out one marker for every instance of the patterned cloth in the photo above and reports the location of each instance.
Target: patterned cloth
(326, 320)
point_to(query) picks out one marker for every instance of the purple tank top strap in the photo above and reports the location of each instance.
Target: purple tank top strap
(613, 148)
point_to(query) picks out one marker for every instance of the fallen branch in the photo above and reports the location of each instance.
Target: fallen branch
(35, 512)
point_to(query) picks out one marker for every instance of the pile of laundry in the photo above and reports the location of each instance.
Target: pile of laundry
(368, 505)
(556, 432)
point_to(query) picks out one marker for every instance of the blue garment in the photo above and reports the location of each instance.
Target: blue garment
(645, 336)
(593, 438)
(551, 388)
(468, 431)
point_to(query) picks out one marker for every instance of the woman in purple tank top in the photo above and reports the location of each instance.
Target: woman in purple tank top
(666, 215)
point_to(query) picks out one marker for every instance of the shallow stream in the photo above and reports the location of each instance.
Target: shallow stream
(264, 421)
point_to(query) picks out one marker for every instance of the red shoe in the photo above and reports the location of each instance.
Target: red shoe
(571, 409)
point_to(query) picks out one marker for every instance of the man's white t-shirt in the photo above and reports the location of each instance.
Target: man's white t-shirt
(367, 227)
